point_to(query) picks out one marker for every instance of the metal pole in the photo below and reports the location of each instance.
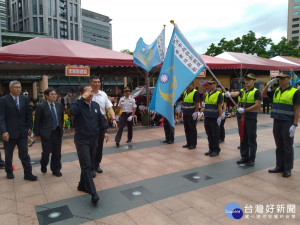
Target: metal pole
(0, 35)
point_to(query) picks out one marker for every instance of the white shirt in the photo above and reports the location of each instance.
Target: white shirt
(127, 104)
(103, 101)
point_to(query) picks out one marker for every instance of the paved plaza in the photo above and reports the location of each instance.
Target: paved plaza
(148, 182)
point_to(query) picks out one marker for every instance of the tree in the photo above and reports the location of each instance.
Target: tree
(247, 44)
(126, 51)
(286, 48)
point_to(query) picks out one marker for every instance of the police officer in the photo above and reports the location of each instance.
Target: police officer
(128, 106)
(285, 112)
(88, 119)
(213, 117)
(190, 108)
(249, 103)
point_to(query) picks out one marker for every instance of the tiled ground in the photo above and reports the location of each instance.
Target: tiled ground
(206, 205)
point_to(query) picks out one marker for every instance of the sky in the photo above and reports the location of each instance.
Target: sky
(202, 22)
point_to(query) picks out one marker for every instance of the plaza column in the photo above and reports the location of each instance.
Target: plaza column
(125, 81)
(34, 90)
(44, 82)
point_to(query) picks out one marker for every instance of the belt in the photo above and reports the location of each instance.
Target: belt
(126, 112)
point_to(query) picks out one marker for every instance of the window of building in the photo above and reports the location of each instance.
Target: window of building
(41, 25)
(296, 13)
(21, 26)
(34, 7)
(296, 0)
(41, 7)
(14, 11)
(20, 13)
(295, 38)
(35, 25)
(76, 33)
(53, 8)
(295, 25)
(295, 31)
(49, 26)
(25, 9)
(75, 13)
(71, 32)
(55, 28)
(71, 11)
(63, 30)
(49, 7)
(296, 19)
(296, 7)
(63, 9)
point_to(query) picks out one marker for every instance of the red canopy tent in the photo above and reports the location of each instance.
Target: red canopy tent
(59, 51)
(257, 63)
(287, 59)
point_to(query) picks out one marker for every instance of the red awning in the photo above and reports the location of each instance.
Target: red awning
(287, 59)
(258, 63)
(59, 51)
(218, 63)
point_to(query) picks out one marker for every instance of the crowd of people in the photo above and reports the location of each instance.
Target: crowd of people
(90, 111)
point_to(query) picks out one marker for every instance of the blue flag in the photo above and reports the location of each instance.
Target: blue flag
(148, 56)
(294, 78)
(181, 65)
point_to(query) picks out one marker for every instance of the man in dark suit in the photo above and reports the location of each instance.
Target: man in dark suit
(88, 120)
(15, 126)
(48, 127)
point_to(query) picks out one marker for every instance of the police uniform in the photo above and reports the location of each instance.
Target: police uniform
(169, 132)
(190, 99)
(127, 105)
(211, 114)
(248, 144)
(222, 128)
(283, 114)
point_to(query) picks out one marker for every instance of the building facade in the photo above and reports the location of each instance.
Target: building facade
(96, 29)
(55, 18)
(293, 31)
(3, 15)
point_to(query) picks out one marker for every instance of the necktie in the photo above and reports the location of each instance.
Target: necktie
(54, 119)
(17, 103)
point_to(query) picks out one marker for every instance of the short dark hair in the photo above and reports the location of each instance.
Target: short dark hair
(48, 90)
(94, 77)
(81, 88)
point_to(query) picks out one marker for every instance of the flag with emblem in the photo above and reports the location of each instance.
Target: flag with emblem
(181, 65)
(148, 56)
(294, 78)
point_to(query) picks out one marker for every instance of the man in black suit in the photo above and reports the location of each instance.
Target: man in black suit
(15, 126)
(88, 120)
(48, 127)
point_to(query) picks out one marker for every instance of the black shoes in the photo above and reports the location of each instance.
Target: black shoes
(81, 188)
(93, 173)
(186, 146)
(118, 144)
(208, 153)
(220, 141)
(95, 198)
(31, 143)
(213, 154)
(250, 163)
(10, 175)
(286, 174)
(99, 170)
(170, 142)
(43, 169)
(191, 147)
(165, 141)
(58, 174)
(276, 170)
(30, 177)
(2, 164)
(128, 141)
(242, 161)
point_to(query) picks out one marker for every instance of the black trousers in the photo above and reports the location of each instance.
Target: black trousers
(212, 131)
(85, 150)
(266, 105)
(97, 158)
(53, 147)
(9, 147)
(284, 144)
(190, 129)
(222, 130)
(169, 130)
(122, 124)
(248, 145)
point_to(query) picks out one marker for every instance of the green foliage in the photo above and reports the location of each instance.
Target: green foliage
(127, 51)
(286, 48)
